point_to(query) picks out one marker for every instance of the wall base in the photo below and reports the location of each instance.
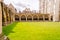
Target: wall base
(3, 37)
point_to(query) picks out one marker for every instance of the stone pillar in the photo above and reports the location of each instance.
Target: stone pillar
(1, 35)
(0, 18)
(43, 18)
(38, 18)
(8, 16)
(32, 18)
(19, 18)
(49, 17)
(5, 19)
(56, 10)
(13, 17)
(26, 18)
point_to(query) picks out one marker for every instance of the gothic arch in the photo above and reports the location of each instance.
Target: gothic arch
(29, 17)
(35, 17)
(46, 17)
(23, 18)
(51, 18)
(16, 18)
(41, 17)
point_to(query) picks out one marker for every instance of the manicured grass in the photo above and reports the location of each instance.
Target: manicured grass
(33, 31)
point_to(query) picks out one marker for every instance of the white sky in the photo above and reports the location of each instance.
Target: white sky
(21, 4)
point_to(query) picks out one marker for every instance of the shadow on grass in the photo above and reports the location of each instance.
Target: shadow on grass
(8, 29)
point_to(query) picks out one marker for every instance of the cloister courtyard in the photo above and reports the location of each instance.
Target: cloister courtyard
(30, 20)
(33, 31)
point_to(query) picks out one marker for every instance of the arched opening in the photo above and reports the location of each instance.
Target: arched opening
(51, 18)
(29, 18)
(16, 18)
(23, 18)
(41, 18)
(35, 17)
(46, 18)
(59, 16)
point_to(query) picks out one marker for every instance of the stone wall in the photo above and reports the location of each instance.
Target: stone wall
(8, 15)
(56, 11)
(1, 35)
(0, 18)
(51, 7)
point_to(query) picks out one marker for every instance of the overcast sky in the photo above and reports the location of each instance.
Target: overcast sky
(22, 4)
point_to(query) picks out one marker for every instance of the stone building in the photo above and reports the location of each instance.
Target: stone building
(8, 14)
(28, 15)
(0, 17)
(49, 10)
(1, 35)
(51, 7)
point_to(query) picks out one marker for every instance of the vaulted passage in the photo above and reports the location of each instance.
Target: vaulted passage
(51, 18)
(35, 17)
(23, 18)
(46, 17)
(16, 18)
(41, 18)
(29, 18)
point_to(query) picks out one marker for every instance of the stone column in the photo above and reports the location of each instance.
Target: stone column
(13, 17)
(38, 18)
(8, 16)
(56, 10)
(49, 17)
(19, 18)
(32, 18)
(43, 18)
(26, 18)
(5, 19)
(1, 35)
(0, 18)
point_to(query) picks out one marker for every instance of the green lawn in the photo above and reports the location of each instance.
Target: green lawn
(33, 31)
